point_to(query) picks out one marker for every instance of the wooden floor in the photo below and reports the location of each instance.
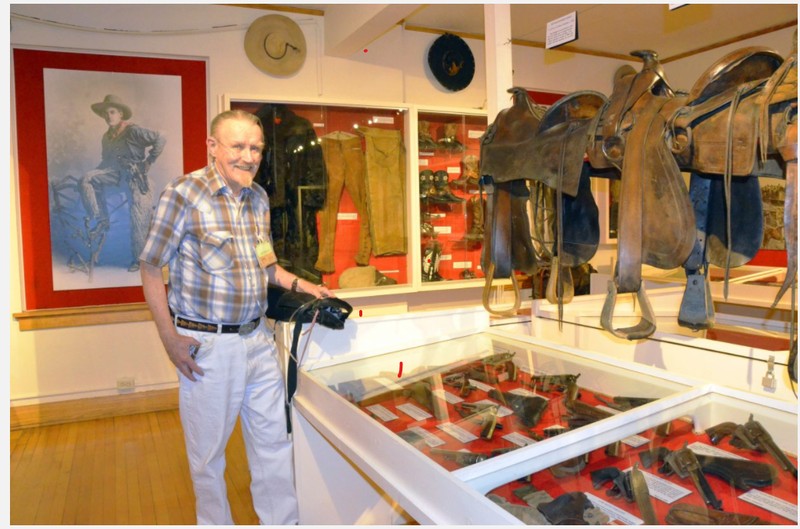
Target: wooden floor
(128, 470)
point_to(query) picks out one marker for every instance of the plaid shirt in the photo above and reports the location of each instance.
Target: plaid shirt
(208, 238)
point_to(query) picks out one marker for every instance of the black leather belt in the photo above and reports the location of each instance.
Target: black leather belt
(243, 329)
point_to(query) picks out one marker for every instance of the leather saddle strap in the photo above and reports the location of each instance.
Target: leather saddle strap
(727, 179)
(697, 310)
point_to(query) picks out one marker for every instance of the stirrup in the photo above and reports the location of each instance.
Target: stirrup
(487, 288)
(697, 306)
(643, 329)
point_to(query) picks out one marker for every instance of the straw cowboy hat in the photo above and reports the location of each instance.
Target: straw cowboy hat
(275, 44)
(112, 101)
(451, 62)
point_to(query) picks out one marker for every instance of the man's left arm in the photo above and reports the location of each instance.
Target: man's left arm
(278, 275)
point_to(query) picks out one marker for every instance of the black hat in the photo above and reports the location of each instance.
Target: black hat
(451, 62)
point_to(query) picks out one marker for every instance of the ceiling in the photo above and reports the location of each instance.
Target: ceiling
(605, 29)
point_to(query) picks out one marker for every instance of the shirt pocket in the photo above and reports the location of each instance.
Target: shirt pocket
(216, 251)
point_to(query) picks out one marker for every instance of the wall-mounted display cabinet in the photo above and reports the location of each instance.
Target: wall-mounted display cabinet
(372, 198)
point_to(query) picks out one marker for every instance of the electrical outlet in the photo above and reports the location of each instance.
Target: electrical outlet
(126, 383)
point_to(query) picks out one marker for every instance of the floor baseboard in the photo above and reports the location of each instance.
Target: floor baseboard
(34, 415)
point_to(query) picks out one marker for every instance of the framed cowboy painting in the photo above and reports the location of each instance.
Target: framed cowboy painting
(98, 138)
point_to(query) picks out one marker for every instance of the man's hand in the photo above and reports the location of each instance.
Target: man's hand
(180, 348)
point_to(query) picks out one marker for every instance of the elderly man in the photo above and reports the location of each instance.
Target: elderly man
(128, 151)
(212, 227)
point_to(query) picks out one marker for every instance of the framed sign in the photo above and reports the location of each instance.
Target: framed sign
(98, 138)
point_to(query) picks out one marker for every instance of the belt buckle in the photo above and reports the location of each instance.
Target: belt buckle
(247, 328)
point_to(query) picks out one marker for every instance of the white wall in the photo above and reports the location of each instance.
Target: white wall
(59, 364)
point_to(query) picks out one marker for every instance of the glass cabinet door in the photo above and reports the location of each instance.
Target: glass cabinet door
(451, 206)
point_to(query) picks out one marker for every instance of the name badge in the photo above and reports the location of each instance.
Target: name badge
(266, 254)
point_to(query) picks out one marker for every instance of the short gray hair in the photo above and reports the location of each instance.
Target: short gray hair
(240, 115)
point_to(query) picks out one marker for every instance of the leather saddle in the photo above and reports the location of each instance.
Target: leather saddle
(559, 150)
(715, 137)
(656, 219)
(505, 164)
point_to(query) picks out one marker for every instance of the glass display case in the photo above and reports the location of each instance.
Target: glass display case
(451, 206)
(485, 428)
(338, 187)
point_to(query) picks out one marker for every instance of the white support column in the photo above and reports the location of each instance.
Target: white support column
(499, 67)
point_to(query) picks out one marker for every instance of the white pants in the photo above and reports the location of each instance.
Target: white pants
(243, 378)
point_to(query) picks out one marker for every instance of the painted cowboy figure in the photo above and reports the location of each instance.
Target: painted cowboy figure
(128, 151)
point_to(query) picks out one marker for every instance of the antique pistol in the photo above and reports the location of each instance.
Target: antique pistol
(420, 391)
(741, 473)
(621, 482)
(624, 403)
(582, 413)
(548, 383)
(753, 436)
(460, 381)
(483, 414)
(684, 463)
(528, 409)
(719, 432)
(462, 458)
(501, 363)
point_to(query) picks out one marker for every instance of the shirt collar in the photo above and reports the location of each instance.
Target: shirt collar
(217, 184)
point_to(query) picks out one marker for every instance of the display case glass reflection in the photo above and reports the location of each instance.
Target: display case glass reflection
(474, 398)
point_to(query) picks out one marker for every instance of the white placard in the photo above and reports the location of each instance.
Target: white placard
(475, 134)
(457, 431)
(707, 450)
(562, 30)
(414, 412)
(382, 413)
(347, 216)
(661, 489)
(481, 386)
(429, 439)
(454, 170)
(525, 393)
(502, 411)
(449, 397)
(635, 441)
(462, 264)
(424, 163)
(386, 120)
(771, 503)
(446, 257)
(425, 153)
(519, 439)
(614, 512)
(443, 229)
(319, 125)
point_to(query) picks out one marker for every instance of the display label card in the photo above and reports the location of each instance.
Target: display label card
(382, 413)
(414, 412)
(386, 120)
(319, 125)
(708, 450)
(425, 153)
(635, 441)
(456, 431)
(451, 398)
(446, 257)
(562, 30)
(442, 229)
(429, 439)
(462, 264)
(347, 216)
(423, 163)
(454, 170)
(481, 386)
(771, 503)
(475, 134)
(519, 439)
(438, 215)
(525, 393)
(614, 512)
(661, 489)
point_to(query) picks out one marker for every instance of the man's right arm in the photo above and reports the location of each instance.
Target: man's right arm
(176, 344)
